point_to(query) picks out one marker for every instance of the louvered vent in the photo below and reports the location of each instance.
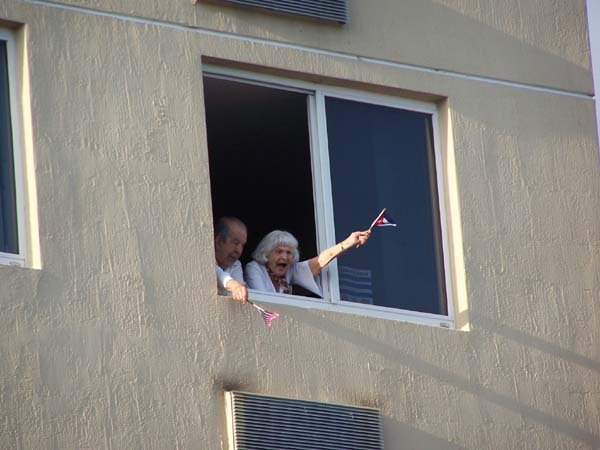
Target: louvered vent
(322, 9)
(258, 422)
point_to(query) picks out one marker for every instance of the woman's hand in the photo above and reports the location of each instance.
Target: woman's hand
(355, 239)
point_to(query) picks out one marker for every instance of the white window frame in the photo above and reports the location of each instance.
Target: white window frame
(323, 199)
(20, 258)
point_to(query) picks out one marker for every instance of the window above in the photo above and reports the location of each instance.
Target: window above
(321, 162)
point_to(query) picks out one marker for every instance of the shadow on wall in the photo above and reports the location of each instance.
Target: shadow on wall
(506, 61)
(459, 382)
(482, 322)
(512, 59)
(410, 438)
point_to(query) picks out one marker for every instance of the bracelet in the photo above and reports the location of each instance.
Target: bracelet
(342, 245)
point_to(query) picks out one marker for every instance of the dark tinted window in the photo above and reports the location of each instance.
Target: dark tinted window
(384, 157)
(8, 212)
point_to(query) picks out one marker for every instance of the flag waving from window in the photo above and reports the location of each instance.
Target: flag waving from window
(382, 220)
(268, 316)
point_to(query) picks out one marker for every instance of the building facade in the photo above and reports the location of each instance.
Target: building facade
(128, 127)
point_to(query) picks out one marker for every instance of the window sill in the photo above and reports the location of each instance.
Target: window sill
(8, 259)
(379, 312)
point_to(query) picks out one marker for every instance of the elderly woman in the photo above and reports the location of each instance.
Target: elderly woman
(275, 267)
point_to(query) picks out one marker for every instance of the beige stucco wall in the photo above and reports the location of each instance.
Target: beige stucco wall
(534, 41)
(121, 342)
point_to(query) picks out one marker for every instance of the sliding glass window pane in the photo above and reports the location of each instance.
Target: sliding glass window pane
(8, 212)
(384, 157)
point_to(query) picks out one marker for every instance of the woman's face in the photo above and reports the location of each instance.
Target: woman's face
(280, 259)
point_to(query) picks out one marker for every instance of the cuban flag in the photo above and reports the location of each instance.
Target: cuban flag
(382, 220)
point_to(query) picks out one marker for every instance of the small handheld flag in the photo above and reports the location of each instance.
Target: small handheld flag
(268, 316)
(382, 221)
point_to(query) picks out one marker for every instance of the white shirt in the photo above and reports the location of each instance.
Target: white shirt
(224, 275)
(298, 273)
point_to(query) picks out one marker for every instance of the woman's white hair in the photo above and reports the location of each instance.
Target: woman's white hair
(271, 241)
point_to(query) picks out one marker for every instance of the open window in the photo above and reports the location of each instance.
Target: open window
(322, 162)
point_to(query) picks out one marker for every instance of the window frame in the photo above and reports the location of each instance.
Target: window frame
(15, 259)
(323, 198)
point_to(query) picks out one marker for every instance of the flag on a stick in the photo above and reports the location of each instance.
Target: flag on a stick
(382, 221)
(268, 316)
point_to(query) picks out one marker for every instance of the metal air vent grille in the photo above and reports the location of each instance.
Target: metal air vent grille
(258, 422)
(322, 9)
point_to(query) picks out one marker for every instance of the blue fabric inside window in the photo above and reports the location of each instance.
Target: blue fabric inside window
(9, 242)
(384, 157)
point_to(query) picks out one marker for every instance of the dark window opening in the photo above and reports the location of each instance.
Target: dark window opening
(259, 156)
(9, 241)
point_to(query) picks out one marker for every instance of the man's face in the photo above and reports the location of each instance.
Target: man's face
(229, 249)
(280, 259)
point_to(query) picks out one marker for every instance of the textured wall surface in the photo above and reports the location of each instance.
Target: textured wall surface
(120, 341)
(534, 41)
